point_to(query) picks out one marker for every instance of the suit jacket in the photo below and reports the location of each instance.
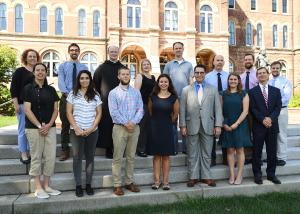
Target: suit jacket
(209, 114)
(259, 109)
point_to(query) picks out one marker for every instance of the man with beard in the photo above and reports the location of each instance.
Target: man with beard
(285, 87)
(181, 74)
(218, 78)
(106, 79)
(67, 73)
(249, 80)
(126, 109)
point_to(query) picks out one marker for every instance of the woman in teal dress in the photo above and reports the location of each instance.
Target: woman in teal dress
(236, 134)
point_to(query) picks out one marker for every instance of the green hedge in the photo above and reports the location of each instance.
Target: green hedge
(8, 109)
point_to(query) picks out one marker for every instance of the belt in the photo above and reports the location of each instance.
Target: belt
(283, 106)
(119, 124)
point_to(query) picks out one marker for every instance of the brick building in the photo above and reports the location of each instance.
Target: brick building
(144, 28)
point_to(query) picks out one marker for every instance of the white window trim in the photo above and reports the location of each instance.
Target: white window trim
(134, 17)
(63, 22)
(40, 20)
(23, 18)
(172, 10)
(84, 22)
(206, 13)
(232, 21)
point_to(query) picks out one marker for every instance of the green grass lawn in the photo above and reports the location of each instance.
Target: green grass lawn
(273, 203)
(8, 120)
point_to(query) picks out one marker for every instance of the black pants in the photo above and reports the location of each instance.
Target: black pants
(214, 155)
(270, 138)
(144, 130)
(65, 125)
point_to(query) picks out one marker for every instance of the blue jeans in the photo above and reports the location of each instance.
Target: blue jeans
(22, 139)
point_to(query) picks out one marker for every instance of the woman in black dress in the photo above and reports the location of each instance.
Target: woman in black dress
(163, 108)
(21, 77)
(145, 83)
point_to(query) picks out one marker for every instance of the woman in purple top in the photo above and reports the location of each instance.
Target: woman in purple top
(21, 77)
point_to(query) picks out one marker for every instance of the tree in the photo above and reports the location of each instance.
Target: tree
(8, 63)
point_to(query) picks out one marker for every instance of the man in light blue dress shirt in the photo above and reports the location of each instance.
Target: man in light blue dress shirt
(285, 87)
(218, 78)
(67, 73)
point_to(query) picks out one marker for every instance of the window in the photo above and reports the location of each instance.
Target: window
(275, 39)
(274, 5)
(284, 6)
(231, 66)
(90, 60)
(206, 19)
(231, 29)
(249, 35)
(81, 22)
(283, 69)
(253, 4)
(133, 14)
(3, 21)
(131, 62)
(43, 19)
(285, 36)
(171, 16)
(231, 4)
(52, 61)
(19, 18)
(59, 21)
(259, 35)
(96, 23)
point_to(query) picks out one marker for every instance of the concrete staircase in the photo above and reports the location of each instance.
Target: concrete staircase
(16, 187)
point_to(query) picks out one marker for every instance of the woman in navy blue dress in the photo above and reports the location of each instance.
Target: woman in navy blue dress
(163, 109)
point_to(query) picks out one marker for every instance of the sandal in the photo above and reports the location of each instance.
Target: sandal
(155, 186)
(166, 186)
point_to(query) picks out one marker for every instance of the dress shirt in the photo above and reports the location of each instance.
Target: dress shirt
(285, 87)
(125, 104)
(180, 73)
(252, 78)
(262, 88)
(212, 78)
(65, 75)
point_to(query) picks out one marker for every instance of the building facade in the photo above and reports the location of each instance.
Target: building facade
(148, 28)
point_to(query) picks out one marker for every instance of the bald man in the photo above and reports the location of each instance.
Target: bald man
(106, 79)
(218, 78)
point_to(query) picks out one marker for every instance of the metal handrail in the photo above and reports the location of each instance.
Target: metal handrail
(7, 102)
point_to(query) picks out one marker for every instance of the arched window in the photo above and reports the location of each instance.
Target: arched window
(3, 19)
(43, 19)
(133, 14)
(59, 24)
(285, 36)
(249, 35)
(284, 6)
(90, 60)
(275, 36)
(96, 23)
(171, 16)
(131, 62)
(206, 19)
(231, 29)
(231, 66)
(81, 22)
(274, 5)
(51, 60)
(259, 35)
(19, 18)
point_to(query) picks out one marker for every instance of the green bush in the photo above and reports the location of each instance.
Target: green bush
(295, 101)
(8, 109)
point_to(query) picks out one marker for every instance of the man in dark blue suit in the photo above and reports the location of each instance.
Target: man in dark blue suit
(265, 106)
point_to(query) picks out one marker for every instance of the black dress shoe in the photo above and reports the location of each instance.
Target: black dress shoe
(109, 153)
(79, 191)
(89, 190)
(248, 161)
(142, 154)
(280, 163)
(274, 180)
(25, 161)
(258, 181)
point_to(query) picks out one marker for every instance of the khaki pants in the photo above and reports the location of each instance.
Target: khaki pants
(42, 149)
(124, 141)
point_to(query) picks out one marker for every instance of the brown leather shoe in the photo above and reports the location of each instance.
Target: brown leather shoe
(209, 182)
(192, 182)
(64, 155)
(118, 191)
(132, 187)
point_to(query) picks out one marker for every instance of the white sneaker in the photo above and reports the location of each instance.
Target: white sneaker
(41, 194)
(51, 191)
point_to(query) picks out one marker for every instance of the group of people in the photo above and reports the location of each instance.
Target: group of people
(241, 112)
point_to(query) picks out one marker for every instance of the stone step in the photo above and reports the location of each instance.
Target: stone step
(104, 198)
(102, 179)
(9, 136)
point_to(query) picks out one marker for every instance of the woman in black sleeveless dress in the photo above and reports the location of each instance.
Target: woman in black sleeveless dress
(145, 83)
